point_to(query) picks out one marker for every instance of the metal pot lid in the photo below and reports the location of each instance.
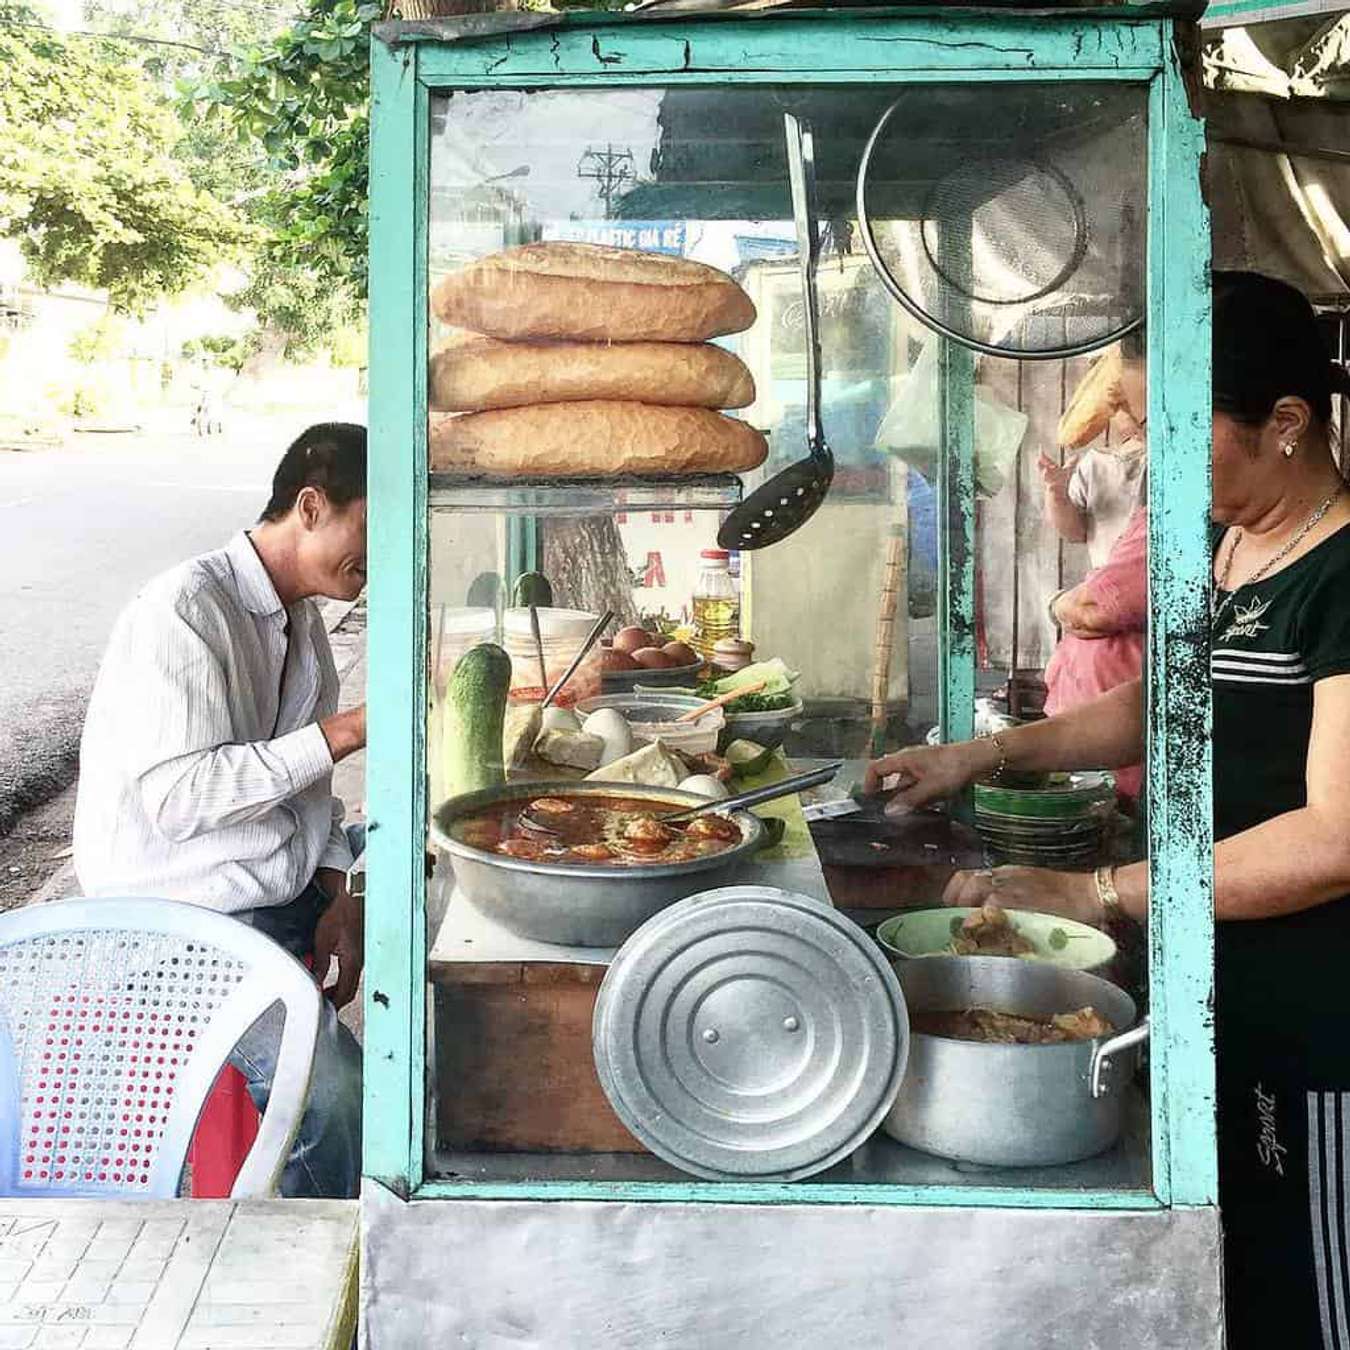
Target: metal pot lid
(750, 1033)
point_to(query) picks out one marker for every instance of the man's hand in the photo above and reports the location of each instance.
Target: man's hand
(345, 732)
(339, 935)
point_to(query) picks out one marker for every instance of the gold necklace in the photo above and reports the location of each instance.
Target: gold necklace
(1308, 526)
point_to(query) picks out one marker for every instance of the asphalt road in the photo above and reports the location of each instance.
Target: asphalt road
(82, 528)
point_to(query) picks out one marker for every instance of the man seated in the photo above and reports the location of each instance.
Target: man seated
(207, 759)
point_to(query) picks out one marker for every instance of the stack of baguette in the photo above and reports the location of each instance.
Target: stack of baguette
(576, 360)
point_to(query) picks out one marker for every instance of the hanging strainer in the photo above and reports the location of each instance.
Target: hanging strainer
(1017, 229)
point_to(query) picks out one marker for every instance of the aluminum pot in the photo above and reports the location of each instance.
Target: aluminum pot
(1012, 1105)
(576, 904)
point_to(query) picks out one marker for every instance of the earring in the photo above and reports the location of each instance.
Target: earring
(1289, 447)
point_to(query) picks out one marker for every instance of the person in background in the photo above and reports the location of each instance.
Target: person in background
(1090, 497)
(207, 759)
(1101, 621)
(1280, 674)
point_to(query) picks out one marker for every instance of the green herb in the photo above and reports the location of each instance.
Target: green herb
(1059, 939)
(956, 926)
(747, 703)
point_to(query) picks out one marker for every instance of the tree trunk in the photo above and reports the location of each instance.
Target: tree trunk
(585, 562)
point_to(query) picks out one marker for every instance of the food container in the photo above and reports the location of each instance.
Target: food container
(576, 904)
(1058, 942)
(563, 631)
(768, 729)
(1012, 1105)
(732, 654)
(673, 677)
(652, 717)
(453, 632)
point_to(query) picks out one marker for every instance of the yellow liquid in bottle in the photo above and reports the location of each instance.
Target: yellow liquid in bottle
(715, 617)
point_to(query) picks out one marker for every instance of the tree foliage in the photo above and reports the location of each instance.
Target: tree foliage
(303, 100)
(89, 185)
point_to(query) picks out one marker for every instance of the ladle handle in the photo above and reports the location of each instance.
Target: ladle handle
(770, 793)
(801, 155)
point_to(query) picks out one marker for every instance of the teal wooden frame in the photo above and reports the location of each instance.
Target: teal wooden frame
(802, 48)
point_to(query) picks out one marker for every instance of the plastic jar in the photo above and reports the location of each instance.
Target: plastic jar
(563, 632)
(453, 632)
(716, 602)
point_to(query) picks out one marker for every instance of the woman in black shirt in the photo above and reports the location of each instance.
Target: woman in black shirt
(1280, 667)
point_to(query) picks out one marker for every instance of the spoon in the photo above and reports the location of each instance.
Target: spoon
(789, 499)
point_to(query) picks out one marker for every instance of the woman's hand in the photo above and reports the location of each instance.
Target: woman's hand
(1071, 895)
(929, 773)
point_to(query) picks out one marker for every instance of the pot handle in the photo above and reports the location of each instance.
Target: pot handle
(1100, 1070)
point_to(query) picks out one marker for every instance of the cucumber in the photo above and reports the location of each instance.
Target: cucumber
(532, 588)
(475, 708)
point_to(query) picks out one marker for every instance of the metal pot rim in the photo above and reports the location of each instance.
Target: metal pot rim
(752, 831)
(1042, 970)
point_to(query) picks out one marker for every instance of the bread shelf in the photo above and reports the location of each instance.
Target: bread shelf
(583, 496)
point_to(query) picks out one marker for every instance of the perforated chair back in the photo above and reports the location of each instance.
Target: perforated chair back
(121, 1013)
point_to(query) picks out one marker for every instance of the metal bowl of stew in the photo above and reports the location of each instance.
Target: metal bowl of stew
(577, 903)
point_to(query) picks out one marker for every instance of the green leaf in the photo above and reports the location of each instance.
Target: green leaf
(1058, 939)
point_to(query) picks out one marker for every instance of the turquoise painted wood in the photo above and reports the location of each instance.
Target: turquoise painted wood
(805, 48)
(395, 1000)
(956, 544)
(1181, 834)
(840, 46)
(771, 1193)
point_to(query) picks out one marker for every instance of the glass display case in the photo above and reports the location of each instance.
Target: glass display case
(592, 340)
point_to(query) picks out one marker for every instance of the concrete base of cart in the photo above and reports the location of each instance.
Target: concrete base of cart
(576, 1275)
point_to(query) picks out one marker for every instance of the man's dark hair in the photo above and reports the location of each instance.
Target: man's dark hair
(330, 456)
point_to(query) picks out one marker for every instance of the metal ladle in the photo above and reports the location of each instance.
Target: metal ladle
(716, 805)
(790, 498)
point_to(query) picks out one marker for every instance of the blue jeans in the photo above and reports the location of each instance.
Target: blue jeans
(325, 1162)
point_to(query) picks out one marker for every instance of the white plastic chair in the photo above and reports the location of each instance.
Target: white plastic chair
(121, 1013)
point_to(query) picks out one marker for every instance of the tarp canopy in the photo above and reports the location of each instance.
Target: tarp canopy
(1277, 103)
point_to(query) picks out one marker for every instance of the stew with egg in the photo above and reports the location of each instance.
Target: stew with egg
(621, 831)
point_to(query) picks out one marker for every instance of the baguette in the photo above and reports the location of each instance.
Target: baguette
(472, 373)
(592, 293)
(1092, 403)
(599, 438)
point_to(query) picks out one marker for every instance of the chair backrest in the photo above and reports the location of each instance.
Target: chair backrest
(9, 1110)
(121, 1013)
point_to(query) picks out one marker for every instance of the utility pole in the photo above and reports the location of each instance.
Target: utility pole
(611, 169)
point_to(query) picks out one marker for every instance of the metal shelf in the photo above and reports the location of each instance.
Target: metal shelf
(583, 496)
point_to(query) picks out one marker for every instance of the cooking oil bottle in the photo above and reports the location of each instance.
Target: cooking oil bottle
(717, 607)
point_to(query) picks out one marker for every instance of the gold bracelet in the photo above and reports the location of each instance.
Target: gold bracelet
(1107, 896)
(997, 741)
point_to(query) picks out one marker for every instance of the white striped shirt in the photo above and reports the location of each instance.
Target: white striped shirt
(204, 775)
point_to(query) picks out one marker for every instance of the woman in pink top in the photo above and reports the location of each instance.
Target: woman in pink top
(1101, 624)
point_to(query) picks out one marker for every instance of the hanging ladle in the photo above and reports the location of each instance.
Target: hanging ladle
(790, 498)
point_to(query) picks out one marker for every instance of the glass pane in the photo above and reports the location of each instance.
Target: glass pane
(550, 486)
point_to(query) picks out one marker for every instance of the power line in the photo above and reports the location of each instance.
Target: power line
(112, 37)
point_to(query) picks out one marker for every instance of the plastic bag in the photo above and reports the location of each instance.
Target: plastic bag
(909, 430)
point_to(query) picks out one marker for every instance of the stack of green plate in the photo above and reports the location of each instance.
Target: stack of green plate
(1057, 822)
